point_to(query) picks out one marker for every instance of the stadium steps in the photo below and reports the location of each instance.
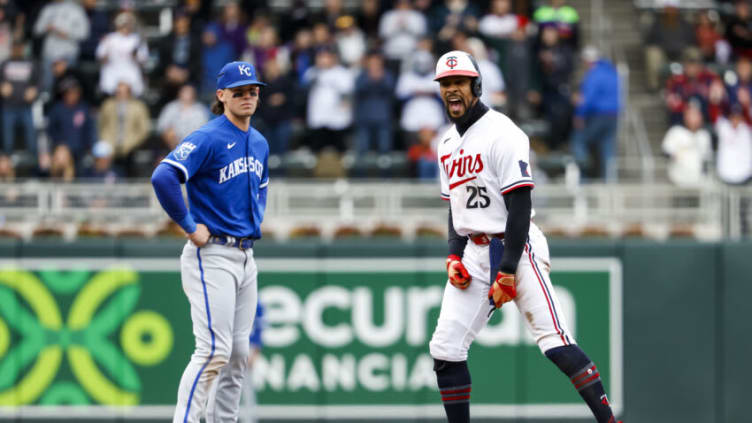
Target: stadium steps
(624, 21)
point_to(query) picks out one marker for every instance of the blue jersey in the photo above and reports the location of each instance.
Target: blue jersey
(226, 177)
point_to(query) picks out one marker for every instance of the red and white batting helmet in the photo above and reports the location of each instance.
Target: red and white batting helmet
(456, 62)
(459, 63)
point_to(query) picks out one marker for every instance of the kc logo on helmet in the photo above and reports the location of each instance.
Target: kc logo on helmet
(451, 62)
(245, 70)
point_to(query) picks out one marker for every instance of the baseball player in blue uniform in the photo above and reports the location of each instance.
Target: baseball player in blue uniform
(224, 167)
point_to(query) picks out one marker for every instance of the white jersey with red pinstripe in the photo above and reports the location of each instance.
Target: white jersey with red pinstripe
(490, 159)
(477, 169)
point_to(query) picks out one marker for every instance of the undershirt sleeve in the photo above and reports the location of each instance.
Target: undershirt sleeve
(519, 207)
(166, 182)
(457, 242)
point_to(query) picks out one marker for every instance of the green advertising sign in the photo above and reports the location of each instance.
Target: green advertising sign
(344, 338)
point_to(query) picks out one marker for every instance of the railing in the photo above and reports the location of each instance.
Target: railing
(713, 211)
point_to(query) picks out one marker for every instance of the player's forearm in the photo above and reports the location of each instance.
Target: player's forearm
(166, 182)
(456, 242)
(519, 206)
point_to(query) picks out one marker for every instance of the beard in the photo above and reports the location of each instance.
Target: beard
(458, 111)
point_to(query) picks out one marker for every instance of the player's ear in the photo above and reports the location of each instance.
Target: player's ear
(220, 95)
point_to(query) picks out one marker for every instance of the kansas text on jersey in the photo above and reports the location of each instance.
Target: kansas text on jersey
(240, 166)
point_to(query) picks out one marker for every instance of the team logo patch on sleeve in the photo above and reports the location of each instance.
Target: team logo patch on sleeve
(183, 150)
(523, 168)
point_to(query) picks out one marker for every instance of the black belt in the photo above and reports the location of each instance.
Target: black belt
(231, 241)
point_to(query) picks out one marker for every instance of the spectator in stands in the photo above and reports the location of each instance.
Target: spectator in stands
(264, 47)
(70, 121)
(179, 58)
(232, 28)
(259, 21)
(99, 26)
(297, 18)
(400, 28)
(369, 15)
(493, 94)
(216, 52)
(667, 39)
(497, 28)
(597, 113)
(101, 169)
(333, 10)
(422, 155)
(422, 107)
(63, 25)
(741, 81)
(694, 82)
(122, 54)
(499, 22)
(7, 170)
(19, 89)
(302, 53)
(520, 66)
(181, 116)
(350, 41)
(450, 16)
(62, 71)
(374, 91)
(124, 122)
(739, 29)
(734, 161)
(322, 36)
(62, 166)
(329, 112)
(198, 12)
(564, 18)
(712, 45)
(279, 107)
(11, 27)
(556, 65)
(689, 149)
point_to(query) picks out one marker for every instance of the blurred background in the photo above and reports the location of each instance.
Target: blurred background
(639, 118)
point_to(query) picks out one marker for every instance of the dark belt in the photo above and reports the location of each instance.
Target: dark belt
(485, 239)
(231, 241)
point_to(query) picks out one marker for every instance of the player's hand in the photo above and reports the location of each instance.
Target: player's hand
(503, 289)
(457, 273)
(200, 236)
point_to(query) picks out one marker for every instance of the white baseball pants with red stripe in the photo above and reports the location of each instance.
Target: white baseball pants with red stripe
(465, 312)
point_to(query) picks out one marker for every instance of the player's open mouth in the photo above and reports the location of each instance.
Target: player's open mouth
(454, 104)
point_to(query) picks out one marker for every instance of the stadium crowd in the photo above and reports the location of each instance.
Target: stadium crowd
(103, 89)
(701, 63)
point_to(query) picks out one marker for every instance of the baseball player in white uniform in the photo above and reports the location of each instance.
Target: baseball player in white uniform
(496, 254)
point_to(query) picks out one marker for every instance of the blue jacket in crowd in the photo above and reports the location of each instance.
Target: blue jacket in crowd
(600, 91)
